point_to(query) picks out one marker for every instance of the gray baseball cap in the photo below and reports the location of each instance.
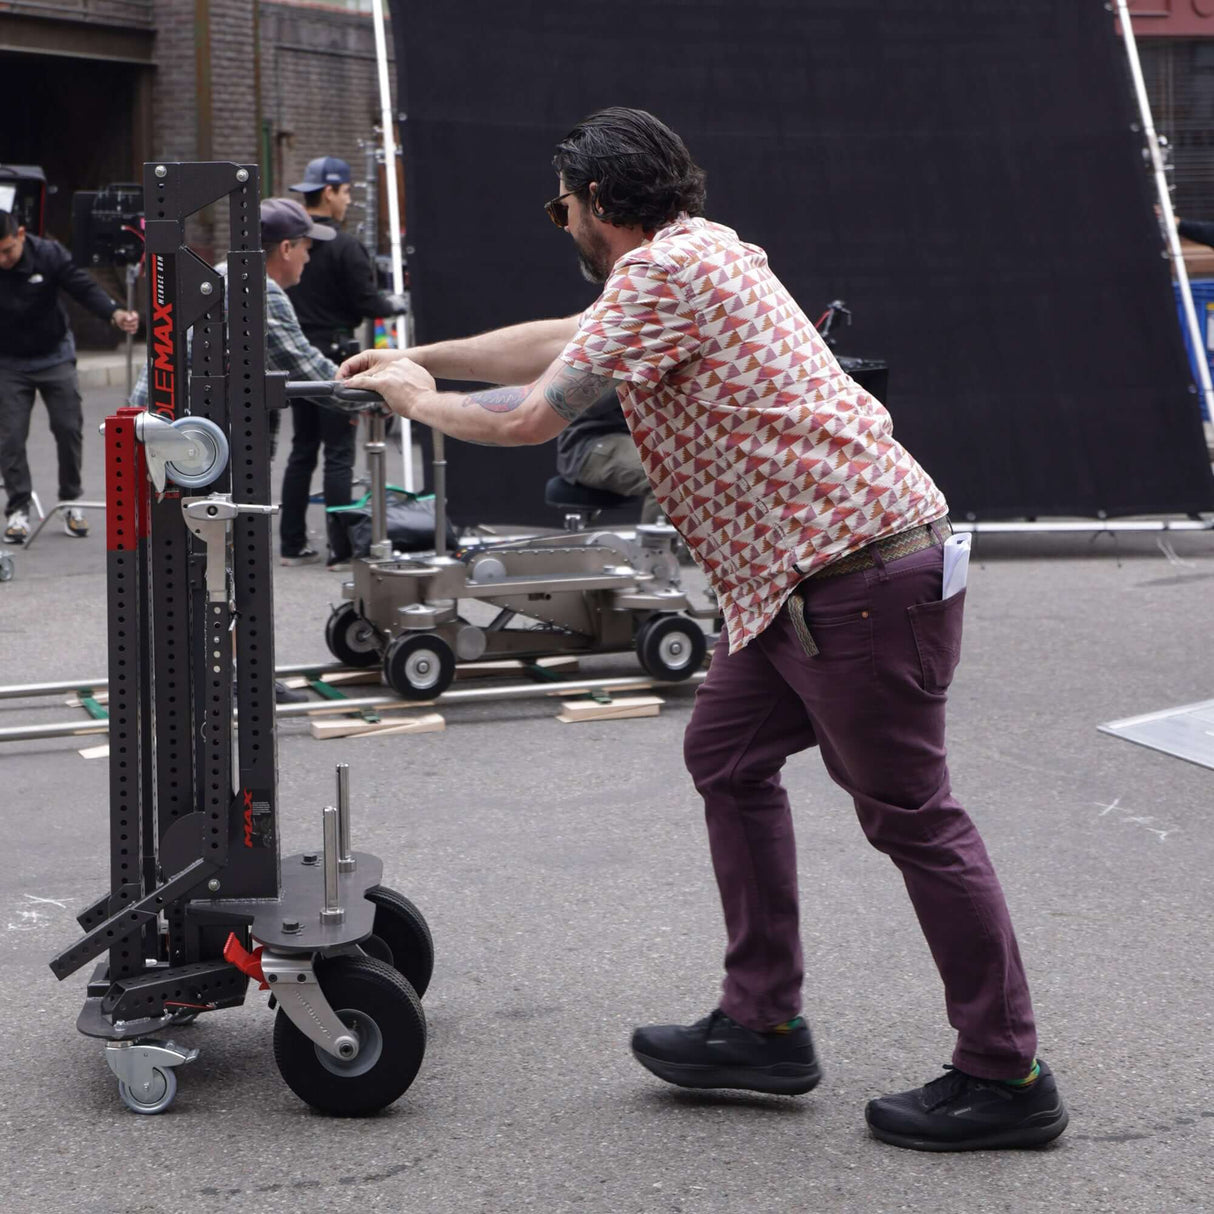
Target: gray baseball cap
(285, 219)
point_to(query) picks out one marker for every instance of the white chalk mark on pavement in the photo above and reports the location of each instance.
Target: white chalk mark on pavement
(31, 917)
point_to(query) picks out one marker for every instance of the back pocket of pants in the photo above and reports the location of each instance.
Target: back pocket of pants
(937, 630)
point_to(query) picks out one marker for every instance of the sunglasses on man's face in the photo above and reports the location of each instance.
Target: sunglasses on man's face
(558, 210)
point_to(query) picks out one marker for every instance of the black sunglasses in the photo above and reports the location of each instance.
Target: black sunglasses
(557, 210)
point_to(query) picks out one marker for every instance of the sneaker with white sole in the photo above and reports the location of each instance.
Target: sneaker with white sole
(308, 556)
(17, 528)
(74, 522)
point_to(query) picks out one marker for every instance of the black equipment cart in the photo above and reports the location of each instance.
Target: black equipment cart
(199, 899)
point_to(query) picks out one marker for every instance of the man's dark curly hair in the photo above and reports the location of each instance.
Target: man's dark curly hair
(644, 173)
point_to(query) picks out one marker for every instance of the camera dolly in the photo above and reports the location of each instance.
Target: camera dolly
(576, 592)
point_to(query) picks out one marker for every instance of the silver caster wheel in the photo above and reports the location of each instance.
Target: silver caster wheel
(161, 1089)
(208, 454)
(144, 1070)
(6, 568)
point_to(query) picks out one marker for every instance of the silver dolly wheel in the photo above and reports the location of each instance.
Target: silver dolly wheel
(147, 1082)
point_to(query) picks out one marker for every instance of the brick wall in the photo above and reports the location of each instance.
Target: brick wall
(318, 94)
(318, 86)
(133, 14)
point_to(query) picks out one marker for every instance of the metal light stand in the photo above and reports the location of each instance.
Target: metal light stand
(132, 276)
(376, 449)
(195, 875)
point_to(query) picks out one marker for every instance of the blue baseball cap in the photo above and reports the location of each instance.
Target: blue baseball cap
(323, 171)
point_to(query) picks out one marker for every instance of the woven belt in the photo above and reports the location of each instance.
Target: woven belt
(891, 548)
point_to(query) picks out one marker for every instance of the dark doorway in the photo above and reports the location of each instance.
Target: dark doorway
(78, 120)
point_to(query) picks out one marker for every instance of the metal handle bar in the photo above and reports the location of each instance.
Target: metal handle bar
(335, 390)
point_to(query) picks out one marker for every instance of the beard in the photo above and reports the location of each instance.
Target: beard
(593, 255)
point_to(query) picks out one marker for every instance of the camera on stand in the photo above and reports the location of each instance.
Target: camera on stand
(107, 230)
(107, 226)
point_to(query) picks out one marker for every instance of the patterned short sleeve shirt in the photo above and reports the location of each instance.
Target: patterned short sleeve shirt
(768, 458)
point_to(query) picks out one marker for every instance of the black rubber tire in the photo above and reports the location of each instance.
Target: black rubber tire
(407, 653)
(661, 635)
(377, 949)
(403, 928)
(351, 639)
(378, 993)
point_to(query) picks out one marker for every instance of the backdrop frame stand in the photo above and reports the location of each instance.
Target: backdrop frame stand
(400, 323)
(1130, 42)
(1100, 526)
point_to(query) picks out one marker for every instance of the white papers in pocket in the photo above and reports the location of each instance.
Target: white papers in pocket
(956, 563)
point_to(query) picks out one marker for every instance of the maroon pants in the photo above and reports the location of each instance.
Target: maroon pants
(873, 701)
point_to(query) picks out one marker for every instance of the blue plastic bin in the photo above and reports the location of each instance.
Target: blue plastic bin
(1203, 304)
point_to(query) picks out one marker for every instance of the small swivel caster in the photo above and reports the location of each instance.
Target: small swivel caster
(146, 1080)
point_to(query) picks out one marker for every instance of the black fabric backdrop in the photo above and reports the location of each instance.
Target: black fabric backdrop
(965, 176)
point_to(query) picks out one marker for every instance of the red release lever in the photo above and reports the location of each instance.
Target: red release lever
(235, 953)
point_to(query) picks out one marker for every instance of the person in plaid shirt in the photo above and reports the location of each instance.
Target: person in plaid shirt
(823, 540)
(287, 232)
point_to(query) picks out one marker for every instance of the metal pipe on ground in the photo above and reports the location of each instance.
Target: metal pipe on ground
(19, 691)
(516, 691)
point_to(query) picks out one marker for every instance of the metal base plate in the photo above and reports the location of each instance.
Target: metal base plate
(301, 896)
(92, 1022)
(1186, 732)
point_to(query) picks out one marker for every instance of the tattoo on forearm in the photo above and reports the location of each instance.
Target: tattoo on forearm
(497, 400)
(572, 392)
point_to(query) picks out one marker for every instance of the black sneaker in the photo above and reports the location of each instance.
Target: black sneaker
(717, 1052)
(306, 556)
(958, 1112)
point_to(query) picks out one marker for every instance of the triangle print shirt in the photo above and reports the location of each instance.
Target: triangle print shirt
(767, 457)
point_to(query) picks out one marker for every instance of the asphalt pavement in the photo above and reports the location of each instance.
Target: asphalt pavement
(565, 874)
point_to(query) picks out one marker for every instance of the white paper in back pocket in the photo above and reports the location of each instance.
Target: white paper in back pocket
(956, 563)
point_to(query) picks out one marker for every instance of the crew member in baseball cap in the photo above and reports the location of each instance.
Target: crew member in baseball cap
(287, 235)
(336, 295)
(323, 171)
(285, 219)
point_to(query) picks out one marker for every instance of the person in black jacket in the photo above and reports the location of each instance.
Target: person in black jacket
(336, 294)
(38, 355)
(1200, 231)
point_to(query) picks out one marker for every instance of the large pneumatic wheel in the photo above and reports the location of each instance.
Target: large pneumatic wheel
(164, 1088)
(379, 1007)
(350, 638)
(401, 927)
(419, 666)
(671, 647)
